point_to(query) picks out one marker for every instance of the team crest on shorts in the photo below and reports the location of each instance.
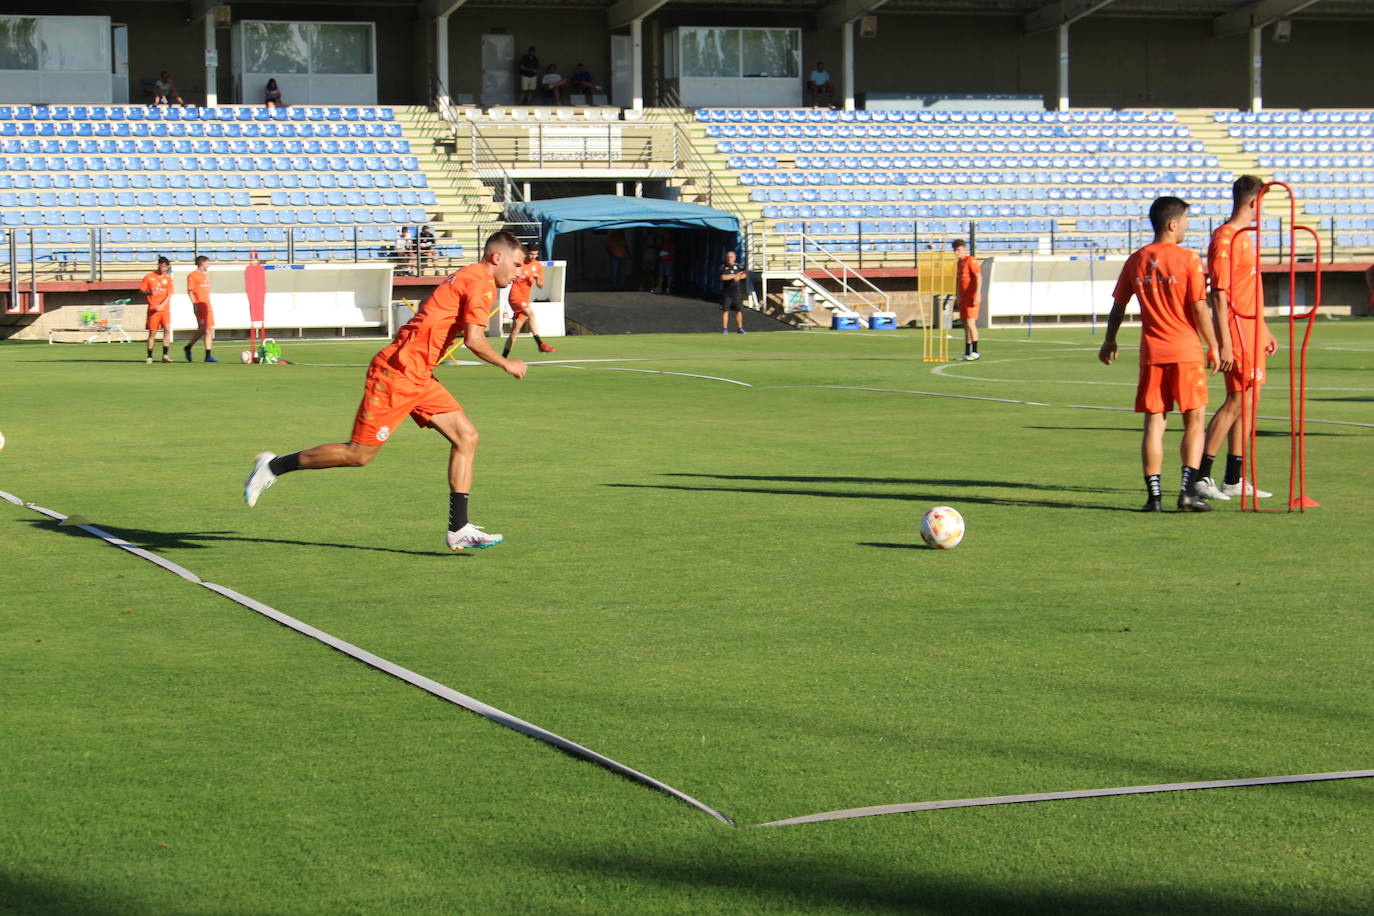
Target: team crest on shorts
(383, 434)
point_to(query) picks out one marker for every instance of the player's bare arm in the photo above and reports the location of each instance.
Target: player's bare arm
(1222, 323)
(1108, 351)
(1202, 319)
(475, 339)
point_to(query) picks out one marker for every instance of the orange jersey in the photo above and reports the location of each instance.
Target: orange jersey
(466, 297)
(1166, 279)
(525, 279)
(1231, 268)
(158, 287)
(198, 287)
(967, 275)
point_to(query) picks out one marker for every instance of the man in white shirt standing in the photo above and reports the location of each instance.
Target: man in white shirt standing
(818, 84)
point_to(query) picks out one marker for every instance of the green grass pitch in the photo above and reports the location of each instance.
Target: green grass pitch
(719, 585)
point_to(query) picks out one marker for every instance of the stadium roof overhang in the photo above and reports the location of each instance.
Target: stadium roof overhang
(608, 211)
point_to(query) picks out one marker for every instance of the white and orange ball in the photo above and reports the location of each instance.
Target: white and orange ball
(942, 528)
(246, 356)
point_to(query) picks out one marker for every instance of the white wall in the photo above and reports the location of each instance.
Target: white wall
(312, 296)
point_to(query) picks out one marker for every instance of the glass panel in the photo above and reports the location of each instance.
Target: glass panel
(72, 43)
(711, 53)
(670, 55)
(772, 53)
(341, 48)
(18, 43)
(275, 47)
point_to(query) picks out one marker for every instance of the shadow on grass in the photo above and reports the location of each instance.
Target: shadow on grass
(806, 883)
(908, 481)
(34, 896)
(916, 497)
(1261, 433)
(158, 541)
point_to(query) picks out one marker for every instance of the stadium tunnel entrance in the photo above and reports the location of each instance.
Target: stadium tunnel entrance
(584, 231)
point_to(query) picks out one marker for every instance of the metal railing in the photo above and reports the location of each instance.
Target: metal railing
(773, 253)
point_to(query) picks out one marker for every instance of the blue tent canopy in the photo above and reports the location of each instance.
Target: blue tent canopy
(609, 211)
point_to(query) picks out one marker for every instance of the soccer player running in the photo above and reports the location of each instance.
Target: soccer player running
(1167, 280)
(198, 288)
(969, 284)
(157, 286)
(400, 382)
(531, 274)
(1235, 293)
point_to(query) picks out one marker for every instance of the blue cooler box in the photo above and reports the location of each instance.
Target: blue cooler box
(882, 321)
(844, 322)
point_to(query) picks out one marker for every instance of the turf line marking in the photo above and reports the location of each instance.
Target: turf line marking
(931, 394)
(877, 810)
(410, 677)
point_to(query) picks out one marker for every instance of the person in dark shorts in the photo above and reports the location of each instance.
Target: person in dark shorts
(732, 277)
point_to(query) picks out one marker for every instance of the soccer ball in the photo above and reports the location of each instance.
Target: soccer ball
(246, 356)
(942, 528)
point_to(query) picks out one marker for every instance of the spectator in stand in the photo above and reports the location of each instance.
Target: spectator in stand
(617, 251)
(273, 99)
(581, 82)
(528, 68)
(404, 250)
(165, 91)
(818, 84)
(553, 83)
(667, 254)
(425, 247)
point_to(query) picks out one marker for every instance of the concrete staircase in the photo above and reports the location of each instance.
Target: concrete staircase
(464, 208)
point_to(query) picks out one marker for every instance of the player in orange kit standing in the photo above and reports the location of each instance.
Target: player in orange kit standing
(157, 286)
(1232, 267)
(1167, 280)
(522, 312)
(400, 383)
(969, 283)
(198, 288)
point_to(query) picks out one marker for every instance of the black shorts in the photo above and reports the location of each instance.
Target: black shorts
(732, 302)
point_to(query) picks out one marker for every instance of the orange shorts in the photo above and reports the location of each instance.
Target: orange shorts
(159, 318)
(205, 317)
(1247, 372)
(520, 308)
(968, 311)
(1162, 385)
(389, 396)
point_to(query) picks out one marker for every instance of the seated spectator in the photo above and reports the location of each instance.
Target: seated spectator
(404, 251)
(553, 83)
(274, 99)
(425, 246)
(581, 81)
(529, 76)
(818, 84)
(165, 91)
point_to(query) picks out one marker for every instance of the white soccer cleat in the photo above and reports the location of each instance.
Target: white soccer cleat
(974, 356)
(1207, 488)
(259, 479)
(1233, 489)
(471, 536)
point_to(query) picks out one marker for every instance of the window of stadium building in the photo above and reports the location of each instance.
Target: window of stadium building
(307, 47)
(719, 53)
(54, 43)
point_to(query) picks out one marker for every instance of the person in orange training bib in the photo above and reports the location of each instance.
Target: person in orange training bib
(157, 286)
(1166, 279)
(198, 288)
(969, 285)
(400, 382)
(530, 275)
(1238, 307)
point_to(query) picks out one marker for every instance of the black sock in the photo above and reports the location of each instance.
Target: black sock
(150, 352)
(968, 348)
(1186, 478)
(975, 346)
(537, 341)
(457, 511)
(1152, 486)
(1235, 467)
(1205, 469)
(164, 350)
(207, 351)
(285, 464)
